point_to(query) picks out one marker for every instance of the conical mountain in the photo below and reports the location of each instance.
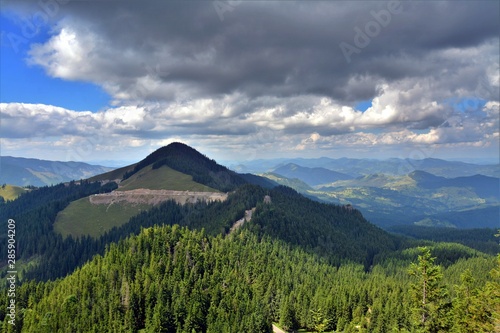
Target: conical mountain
(189, 161)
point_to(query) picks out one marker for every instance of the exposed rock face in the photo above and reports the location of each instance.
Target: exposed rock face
(154, 197)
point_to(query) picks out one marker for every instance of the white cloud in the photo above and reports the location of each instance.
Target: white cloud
(267, 79)
(279, 127)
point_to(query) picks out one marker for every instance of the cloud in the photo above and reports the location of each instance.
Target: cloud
(181, 50)
(271, 75)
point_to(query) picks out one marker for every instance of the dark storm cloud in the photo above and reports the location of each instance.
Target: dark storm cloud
(271, 75)
(279, 48)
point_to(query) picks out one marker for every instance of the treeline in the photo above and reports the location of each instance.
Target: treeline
(171, 279)
(483, 240)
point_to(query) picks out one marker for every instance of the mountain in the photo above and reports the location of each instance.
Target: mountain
(294, 183)
(177, 184)
(482, 185)
(311, 176)
(416, 198)
(29, 171)
(249, 260)
(393, 166)
(174, 172)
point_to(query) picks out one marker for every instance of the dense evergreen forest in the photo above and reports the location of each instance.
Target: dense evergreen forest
(483, 240)
(338, 233)
(172, 279)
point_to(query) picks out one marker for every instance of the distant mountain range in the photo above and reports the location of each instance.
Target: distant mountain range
(360, 167)
(419, 197)
(29, 171)
(311, 176)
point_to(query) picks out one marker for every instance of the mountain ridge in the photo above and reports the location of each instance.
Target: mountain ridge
(22, 171)
(311, 176)
(358, 167)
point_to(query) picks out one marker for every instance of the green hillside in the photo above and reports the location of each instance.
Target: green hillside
(112, 175)
(294, 183)
(82, 218)
(171, 279)
(11, 192)
(163, 178)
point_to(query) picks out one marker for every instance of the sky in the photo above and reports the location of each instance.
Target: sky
(111, 81)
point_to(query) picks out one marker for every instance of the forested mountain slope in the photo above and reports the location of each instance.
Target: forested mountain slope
(298, 262)
(169, 279)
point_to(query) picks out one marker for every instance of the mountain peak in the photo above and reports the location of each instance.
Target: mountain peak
(188, 160)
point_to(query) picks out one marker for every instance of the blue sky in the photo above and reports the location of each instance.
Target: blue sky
(90, 88)
(20, 82)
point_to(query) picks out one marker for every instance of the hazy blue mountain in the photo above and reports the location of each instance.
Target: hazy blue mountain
(484, 186)
(419, 198)
(311, 176)
(360, 167)
(487, 217)
(29, 171)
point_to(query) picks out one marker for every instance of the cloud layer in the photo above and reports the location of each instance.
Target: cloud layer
(271, 75)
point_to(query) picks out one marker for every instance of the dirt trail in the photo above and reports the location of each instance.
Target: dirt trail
(239, 223)
(154, 197)
(276, 329)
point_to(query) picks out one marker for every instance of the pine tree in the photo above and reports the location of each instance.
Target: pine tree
(320, 322)
(287, 315)
(427, 295)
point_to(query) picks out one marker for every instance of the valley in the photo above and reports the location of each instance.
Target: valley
(228, 166)
(388, 199)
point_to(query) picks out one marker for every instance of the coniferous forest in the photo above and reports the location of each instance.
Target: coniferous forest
(298, 264)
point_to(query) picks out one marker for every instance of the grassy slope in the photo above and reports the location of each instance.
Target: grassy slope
(83, 218)
(163, 178)
(112, 175)
(11, 192)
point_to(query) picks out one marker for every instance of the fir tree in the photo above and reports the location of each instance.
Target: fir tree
(428, 296)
